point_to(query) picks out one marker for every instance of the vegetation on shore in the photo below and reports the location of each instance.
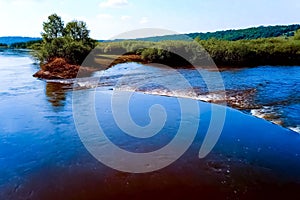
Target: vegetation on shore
(26, 45)
(71, 42)
(240, 53)
(263, 51)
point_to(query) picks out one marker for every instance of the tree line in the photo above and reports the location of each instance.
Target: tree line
(233, 35)
(2, 45)
(25, 45)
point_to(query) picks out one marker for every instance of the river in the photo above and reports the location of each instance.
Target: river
(42, 156)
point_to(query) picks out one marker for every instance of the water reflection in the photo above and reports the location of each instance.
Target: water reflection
(56, 93)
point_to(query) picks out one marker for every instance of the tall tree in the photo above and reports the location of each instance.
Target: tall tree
(71, 42)
(77, 30)
(53, 28)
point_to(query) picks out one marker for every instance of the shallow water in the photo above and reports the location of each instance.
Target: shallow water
(269, 92)
(42, 156)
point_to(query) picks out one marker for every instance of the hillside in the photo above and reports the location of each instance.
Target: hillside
(233, 35)
(16, 39)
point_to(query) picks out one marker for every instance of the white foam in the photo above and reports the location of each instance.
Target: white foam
(258, 113)
(296, 129)
(267, 113)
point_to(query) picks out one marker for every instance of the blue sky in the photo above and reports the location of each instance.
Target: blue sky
(107, 18)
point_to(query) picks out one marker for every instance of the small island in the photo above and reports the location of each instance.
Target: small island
(62, 49)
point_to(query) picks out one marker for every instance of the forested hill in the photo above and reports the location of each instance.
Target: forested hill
(229, 35)
(233, 35)
(12, 39)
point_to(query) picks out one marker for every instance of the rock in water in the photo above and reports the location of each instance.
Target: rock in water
(58, 68)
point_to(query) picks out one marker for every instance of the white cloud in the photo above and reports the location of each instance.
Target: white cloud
(144, 20)
(113, 3)
(125, 17)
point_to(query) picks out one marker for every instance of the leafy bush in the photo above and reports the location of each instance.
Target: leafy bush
(75, 52)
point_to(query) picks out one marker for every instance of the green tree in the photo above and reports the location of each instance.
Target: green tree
(53, 28)
(75, 52)
(71, 42)
(77, 30)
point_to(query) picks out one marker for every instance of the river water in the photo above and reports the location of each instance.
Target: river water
(42, 156)
(269, 92)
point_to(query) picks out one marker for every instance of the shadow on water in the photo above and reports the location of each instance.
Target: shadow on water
(56, 94)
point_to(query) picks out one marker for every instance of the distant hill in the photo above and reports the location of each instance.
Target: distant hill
(232, 35)
(12, 39)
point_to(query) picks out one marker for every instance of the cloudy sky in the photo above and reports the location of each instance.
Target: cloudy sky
(107, 18)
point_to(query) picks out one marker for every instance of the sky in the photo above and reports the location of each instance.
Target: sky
(108, 18)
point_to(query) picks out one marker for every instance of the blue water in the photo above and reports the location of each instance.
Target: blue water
(277, 91)
(31, 111)
(42, 156)
(269, 92)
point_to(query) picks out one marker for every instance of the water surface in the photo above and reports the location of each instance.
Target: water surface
(42, 156)
(269, 92)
